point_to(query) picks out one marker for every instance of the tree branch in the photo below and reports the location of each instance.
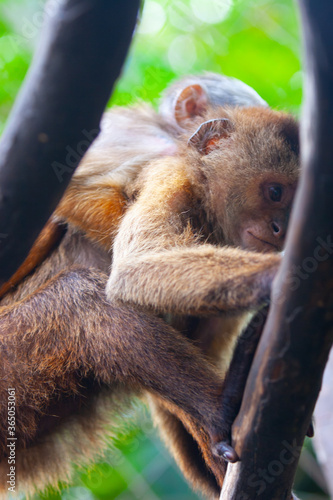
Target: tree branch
(57, 114)
(286, 375)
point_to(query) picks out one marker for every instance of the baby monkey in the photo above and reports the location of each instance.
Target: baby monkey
(193, 213)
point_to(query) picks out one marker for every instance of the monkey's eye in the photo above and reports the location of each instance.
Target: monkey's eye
(275, 193)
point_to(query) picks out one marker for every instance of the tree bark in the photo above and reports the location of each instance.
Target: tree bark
(57, 115)
(286, 375)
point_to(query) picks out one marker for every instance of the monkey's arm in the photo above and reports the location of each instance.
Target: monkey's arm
(158, 261)
(196, 281)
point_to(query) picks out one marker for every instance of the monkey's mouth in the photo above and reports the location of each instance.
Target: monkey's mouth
(271, 245)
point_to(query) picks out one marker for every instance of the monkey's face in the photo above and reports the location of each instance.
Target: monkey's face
(262, 222)
(249, 163)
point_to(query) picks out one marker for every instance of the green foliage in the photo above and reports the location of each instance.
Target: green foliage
(254, 40)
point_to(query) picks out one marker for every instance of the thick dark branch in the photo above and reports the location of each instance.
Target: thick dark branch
(57, 115)
(286, 375)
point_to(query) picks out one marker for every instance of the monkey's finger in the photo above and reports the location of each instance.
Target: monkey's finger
(225, 451)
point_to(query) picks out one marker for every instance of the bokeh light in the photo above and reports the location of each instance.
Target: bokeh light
(211, 11)
(153, 18)
(182, 54)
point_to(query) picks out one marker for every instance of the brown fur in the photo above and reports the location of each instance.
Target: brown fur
(60, 371)
(174, 227)
(97, 195)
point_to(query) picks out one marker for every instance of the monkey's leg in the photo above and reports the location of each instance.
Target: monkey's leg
(67, 327)
(235, 380)
(177, 436)
(196, 461)
(207, 335)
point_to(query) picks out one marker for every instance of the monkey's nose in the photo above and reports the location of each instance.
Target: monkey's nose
(278, 229)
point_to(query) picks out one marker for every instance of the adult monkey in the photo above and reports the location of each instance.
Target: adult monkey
(229, 181)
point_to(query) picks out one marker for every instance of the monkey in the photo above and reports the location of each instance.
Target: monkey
(165, 266)
(130, 138)
(194, 232)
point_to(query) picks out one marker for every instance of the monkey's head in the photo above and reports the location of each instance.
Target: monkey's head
(246, 164)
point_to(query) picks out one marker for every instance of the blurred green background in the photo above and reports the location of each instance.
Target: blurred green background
(255, 40)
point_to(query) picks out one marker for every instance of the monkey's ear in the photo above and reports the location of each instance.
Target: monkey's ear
(208, 135)
(191, 102)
